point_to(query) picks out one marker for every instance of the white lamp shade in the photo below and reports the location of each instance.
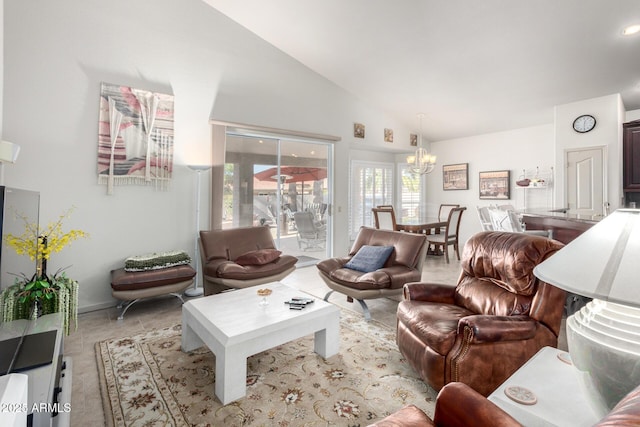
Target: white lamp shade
(603, 337)
(602, 263)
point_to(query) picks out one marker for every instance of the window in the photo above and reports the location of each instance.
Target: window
(371, 185)
(410, 195)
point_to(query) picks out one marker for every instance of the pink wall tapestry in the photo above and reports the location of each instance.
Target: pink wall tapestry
(135, 137)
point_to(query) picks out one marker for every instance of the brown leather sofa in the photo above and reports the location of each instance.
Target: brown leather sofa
(403, 265)
(241, 257)
(482, 330)
(458, 405)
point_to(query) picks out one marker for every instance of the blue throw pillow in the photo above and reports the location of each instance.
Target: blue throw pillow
(369, 258)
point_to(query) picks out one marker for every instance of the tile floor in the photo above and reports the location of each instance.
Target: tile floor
(165, 311)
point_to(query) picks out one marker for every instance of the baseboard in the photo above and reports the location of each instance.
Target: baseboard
(95, 307)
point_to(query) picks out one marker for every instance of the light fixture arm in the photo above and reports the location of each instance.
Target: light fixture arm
(421, 162)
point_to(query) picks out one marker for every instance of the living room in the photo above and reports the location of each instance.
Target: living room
(56, 55)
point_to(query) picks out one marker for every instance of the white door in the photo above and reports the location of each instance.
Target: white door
(585, 181)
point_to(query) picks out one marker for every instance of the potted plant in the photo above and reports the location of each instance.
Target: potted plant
(42, 293)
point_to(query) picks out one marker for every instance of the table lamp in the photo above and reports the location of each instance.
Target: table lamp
(604, 336)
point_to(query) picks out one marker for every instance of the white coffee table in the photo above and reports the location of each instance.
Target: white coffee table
(233, 326)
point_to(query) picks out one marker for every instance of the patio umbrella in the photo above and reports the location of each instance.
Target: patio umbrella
(289, 174)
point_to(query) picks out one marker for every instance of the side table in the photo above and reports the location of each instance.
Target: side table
(561, 397)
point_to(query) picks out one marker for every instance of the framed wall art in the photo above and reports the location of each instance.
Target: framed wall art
(455, 177)
(358, 130)
(413, 139)
(135, 137)
(388, 135)
(495, 185)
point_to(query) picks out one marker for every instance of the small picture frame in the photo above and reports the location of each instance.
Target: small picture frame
(358, 130)
(455, 177)
(388, 135)
(495, 185)
(413, 139)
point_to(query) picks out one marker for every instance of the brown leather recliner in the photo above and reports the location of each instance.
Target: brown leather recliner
(482, 330)
(459, 405)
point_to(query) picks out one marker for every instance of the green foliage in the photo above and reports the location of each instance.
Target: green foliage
(46, 295)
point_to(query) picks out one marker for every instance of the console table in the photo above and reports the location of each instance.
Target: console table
(562, 398)
(564, 226)
(49, 386)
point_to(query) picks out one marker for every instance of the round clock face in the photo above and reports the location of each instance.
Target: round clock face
(584, 123)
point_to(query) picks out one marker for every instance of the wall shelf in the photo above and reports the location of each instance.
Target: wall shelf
(539, 179)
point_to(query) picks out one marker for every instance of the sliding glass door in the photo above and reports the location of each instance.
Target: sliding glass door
(283, 184)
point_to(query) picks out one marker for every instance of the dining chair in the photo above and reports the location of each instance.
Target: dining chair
(485, 218)
(450, 235)
(443, 213)
(506, 207)
(385, 218)
(508, 220)
(500, 219)
(517, 226)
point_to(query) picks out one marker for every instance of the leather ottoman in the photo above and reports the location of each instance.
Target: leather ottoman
(133, 286)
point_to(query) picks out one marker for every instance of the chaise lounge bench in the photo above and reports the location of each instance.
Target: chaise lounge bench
(131, 286)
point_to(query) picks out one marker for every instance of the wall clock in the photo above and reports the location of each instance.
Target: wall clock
(584, 123)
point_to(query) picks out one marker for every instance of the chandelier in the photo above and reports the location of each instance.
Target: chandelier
(421, 162)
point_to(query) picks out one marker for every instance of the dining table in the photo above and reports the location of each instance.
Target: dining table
(421, 225)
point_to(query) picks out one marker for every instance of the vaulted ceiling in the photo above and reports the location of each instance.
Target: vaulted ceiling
(471, 66)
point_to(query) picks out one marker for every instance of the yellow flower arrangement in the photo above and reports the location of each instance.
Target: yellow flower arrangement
(51, 239)
(42, 294)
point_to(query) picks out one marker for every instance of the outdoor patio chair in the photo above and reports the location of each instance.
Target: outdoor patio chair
(310, 234)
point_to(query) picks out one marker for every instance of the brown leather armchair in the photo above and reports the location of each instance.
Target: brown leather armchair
(403, 265)
(482, 330)
(458, 405)
(221, 252)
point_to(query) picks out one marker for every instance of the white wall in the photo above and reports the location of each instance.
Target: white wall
(632, 115)
(57, 53)
(514, 150)
(609, 114)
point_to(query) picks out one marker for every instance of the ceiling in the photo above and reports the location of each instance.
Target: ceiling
(472, 67)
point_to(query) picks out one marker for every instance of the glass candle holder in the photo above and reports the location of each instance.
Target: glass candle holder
(264, 293)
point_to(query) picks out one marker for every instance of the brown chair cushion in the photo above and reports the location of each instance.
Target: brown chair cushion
(231, 243)
(484, 296)
(231, 270)
(507, 259)
(258, 257)
(406, 246)
(122, 280)
(503, 263)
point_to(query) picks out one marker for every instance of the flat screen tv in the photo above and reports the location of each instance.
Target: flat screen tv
(15, 206)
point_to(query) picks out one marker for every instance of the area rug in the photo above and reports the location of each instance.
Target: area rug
(146, 380)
